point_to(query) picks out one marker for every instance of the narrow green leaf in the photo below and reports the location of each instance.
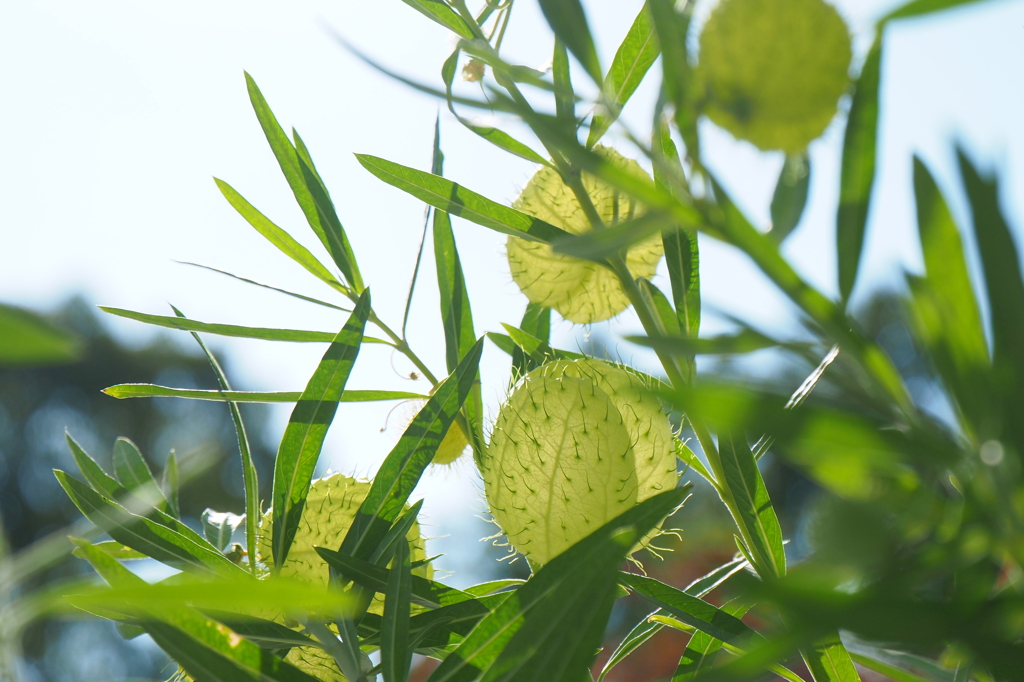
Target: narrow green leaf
(636, 54)
(537, 324)
(109, 489)
(440, 13)
(277, 236)
(857, 174)
(550, 628)
(693, 611)
(702, 647)
(790, 195)
(457, 200)
(310, 194)
(122, 391)
(504, 342)
(634, 639)
(1004, 284)
(917, 8)
(401, 470)
(569, 22)
(565, 98)
(744, 341)
(428, 593)
(456, 312)
(946, 311)
(133, 473)
(681, 251)
(28, 339)
(495, 136)
(672, 28)
(757, 519)
(266, 334)
(169, 484)
(265, 634)
(301, 297)
(598, 245)
(142, 534)
(304, 436)
(205, 649)
(395, 652)
(502, 140)
(662, 308)
(827, 659)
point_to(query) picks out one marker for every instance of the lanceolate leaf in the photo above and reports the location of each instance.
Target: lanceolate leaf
(169, 484)
(133, 472)
(428, 593)
(304, 436)
(250, 479)
(537, 323)
(857, 177)
(277, 236)
(154, 391)
(569, 23)
(549, 628)
(757, 519)
(395, 652)
(1005, 286)
(442, 14)
(946, 310)
(681, 252)
(691, 610)
(702, 647)
(138, 503)
(142, 534)
(917, 8)
(565, 98)
(457, 200)
(790, 195)
(634, 57)
(293, 335)
(407, 461)
(205, 649)
(310, 194)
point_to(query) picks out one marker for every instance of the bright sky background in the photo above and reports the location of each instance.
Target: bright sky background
(117, 113)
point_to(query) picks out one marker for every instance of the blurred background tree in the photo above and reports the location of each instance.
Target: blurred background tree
(39, 401)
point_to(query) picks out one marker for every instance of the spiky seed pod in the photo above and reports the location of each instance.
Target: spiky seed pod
(649, 429)
(774, 70)
(581, 291)
(563, 457)
(330, 509)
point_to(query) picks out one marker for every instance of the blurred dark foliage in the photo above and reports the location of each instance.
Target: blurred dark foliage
(36, 406)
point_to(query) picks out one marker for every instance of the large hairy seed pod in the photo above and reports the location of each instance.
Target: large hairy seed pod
(572, 448)
(650, 432)
(774, 70)
(581, 291)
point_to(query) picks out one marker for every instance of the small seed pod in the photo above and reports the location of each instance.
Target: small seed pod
(575, 445)
(773, 70)
(581, 291)
(330, 509)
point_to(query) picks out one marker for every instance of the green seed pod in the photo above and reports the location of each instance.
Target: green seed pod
(581, 291)
(774, 70)
(452, 446)
(575, 445)
(330, 509)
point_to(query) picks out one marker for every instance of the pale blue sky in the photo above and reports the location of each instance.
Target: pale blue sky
(117, 113)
